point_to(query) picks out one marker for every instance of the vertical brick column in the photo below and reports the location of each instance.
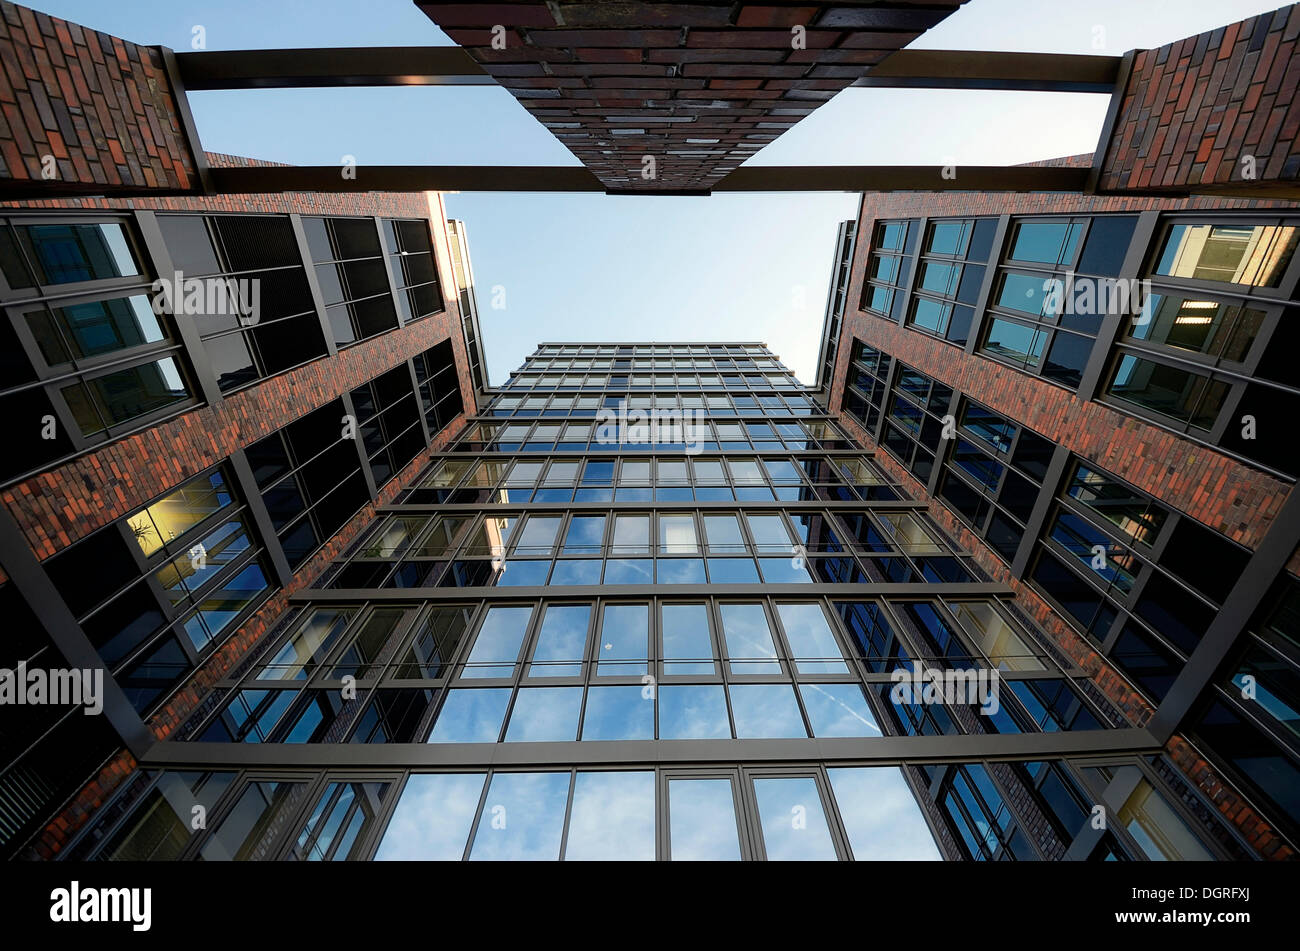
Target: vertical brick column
(86, 112)
(1215, 113)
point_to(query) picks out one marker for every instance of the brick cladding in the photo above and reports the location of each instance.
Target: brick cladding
(102, 107)
(1200, 482)
(1191, 110)
(1227, 495)
(192, 692)
(724, 73)
(57, 507)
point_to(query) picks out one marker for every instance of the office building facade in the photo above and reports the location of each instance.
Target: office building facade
(207, 398)
(1094, 395)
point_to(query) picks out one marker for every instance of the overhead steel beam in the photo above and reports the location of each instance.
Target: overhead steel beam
(404, 178)
(886, 178)
(976, 69)
(521, 178)
(320, 68)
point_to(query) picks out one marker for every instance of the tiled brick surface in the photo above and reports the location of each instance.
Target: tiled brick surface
(100, 106)
(1193, 109)
(708, 84)
(1223, 493)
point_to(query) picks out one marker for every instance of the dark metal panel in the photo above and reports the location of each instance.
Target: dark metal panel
(711, 752)
(978, 69)
(318, 68)
(1268, 561)
(405, 178)
(869, 178)
(57, 620)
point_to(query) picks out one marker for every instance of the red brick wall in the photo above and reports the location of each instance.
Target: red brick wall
(102, 107)
(1192, 109)
(724, 71)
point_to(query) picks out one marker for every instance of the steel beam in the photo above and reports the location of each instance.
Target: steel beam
(322, 68)
(978, 69)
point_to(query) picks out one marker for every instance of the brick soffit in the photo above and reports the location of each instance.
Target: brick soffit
(696, 87)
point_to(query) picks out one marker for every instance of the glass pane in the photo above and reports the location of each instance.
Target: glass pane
(499, 639)
(766, 711)
(687, 647)
(545, 714)
(624, 640)
(838, 710)
(471, 715)
(696, 712)
(881, 816)
(250, 832)
(749, 639)
(619, 713)
(811, 641)
(702, 820)
(562, 641)
(794, 824)
(523, 817)
(677, 535)
(433, 818)
(613, 817)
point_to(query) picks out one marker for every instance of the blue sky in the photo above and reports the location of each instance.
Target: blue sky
(595, 267)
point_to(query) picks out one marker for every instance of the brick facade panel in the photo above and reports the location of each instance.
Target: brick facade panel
(101, 108)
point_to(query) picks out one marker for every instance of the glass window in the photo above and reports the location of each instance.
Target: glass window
(612, 817)
(766, 711)
(723, 534)
(498, 642)
(619, 713)
(471, 715)
(749, 639)
(881, 816)
(631, 535)
(538, 535)
(794, 823)
(561, 642)
(433, 818)
(702, 820)
(1199, 326)
(1159, 831)
(687, 647)
(838, 710)
(65, 253)
(677, 535)
(545, 714)
(180, 510)
(693, 712)
(308, 645)
(1016, 343)
(1167, 390)
(251, 829)
(624, 640)
(523, 818)
(811, 642)
(769, 533)
(1255, 255)
(123, 395)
